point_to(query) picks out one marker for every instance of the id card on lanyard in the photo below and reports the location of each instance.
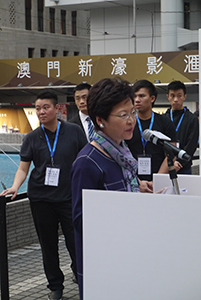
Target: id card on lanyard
(52, 171)
(179, 123)
(144, 164)
(144, 160)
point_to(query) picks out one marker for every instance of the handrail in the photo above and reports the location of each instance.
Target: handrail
(3, 244)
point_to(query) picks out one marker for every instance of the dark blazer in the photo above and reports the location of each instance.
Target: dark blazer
(76, 120)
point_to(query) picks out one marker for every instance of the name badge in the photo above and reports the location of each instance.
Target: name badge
(144, 165)
(52, 176)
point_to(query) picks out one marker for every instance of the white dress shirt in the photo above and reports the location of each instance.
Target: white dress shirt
(84, 123)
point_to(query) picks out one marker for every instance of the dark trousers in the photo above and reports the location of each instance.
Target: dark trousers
(47, 216)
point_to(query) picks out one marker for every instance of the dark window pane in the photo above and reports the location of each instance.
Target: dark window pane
(42, 52)
(186, 15)
(40, 15)
(52, 20)
(28, 14)
(74, 22)
(54, 53)
(65, 53)
(30, 52)
(63, 21)
(40, 5)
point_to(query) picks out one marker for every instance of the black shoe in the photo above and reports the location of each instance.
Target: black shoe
(55, 295)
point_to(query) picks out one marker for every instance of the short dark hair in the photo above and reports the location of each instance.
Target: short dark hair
(140, 84)
(48, 94)
(176, 85)
(82, 86)
(104, 95)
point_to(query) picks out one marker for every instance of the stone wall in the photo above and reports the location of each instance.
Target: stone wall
(20, 227)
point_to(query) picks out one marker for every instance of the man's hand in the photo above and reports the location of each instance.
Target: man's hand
(177, 165)
(146, 186)
(11, 191)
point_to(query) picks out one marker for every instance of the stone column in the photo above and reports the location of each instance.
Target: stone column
(172, 16)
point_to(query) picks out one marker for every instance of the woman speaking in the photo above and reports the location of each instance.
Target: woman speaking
(106, 163)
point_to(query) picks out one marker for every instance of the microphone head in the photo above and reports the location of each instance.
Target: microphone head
(147, 134)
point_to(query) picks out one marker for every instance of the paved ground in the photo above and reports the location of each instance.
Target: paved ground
(26, 277)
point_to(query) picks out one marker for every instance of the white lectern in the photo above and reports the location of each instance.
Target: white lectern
(141, 246)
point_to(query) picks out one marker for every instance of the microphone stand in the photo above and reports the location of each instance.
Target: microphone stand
(172, 172)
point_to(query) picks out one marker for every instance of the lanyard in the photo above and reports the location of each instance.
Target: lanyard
(52, 150)
(140, 128)
(171, 116)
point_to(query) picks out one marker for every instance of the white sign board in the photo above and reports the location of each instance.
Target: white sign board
(188, 184)
(141, 246)
(200, 86)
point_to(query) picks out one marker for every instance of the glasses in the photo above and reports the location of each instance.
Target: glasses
(126, 116)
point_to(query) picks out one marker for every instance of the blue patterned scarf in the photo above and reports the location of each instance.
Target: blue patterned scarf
(122, 155)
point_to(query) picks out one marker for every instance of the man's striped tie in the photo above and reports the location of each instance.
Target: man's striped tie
(90, 128)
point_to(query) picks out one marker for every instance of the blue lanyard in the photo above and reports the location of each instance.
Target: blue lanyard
(140, 128)
(171, 117)
(52, 150)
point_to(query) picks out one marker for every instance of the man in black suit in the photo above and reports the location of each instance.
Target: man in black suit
(81, 92)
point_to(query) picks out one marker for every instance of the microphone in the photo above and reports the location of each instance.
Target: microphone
(157, 138)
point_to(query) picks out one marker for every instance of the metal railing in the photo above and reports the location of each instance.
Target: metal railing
(3, 245)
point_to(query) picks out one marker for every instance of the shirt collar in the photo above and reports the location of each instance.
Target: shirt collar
(82, 116)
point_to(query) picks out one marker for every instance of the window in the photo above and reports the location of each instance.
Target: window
(65, 53)
(40, 15)
(74, 22)
(186, 15)
(52, 20)
(76, 53)
(88, 49)
(42, 52)
(54, 53)
(12, 14)
(28, 14)
(63, 21)
(88, 25)
(30, 52)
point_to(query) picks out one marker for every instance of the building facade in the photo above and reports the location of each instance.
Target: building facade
(139, 26)
(122, 41)
(28, 29)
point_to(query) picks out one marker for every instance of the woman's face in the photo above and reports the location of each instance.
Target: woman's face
(121, 121)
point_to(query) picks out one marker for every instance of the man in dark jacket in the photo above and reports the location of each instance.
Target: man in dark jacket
(186, 123)
(82, 118)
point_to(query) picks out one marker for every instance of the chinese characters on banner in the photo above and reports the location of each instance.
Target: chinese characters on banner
(154, 65)
(85, 67)
(118, 67)
(23, 70)
(192, 63)
(53, 65)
